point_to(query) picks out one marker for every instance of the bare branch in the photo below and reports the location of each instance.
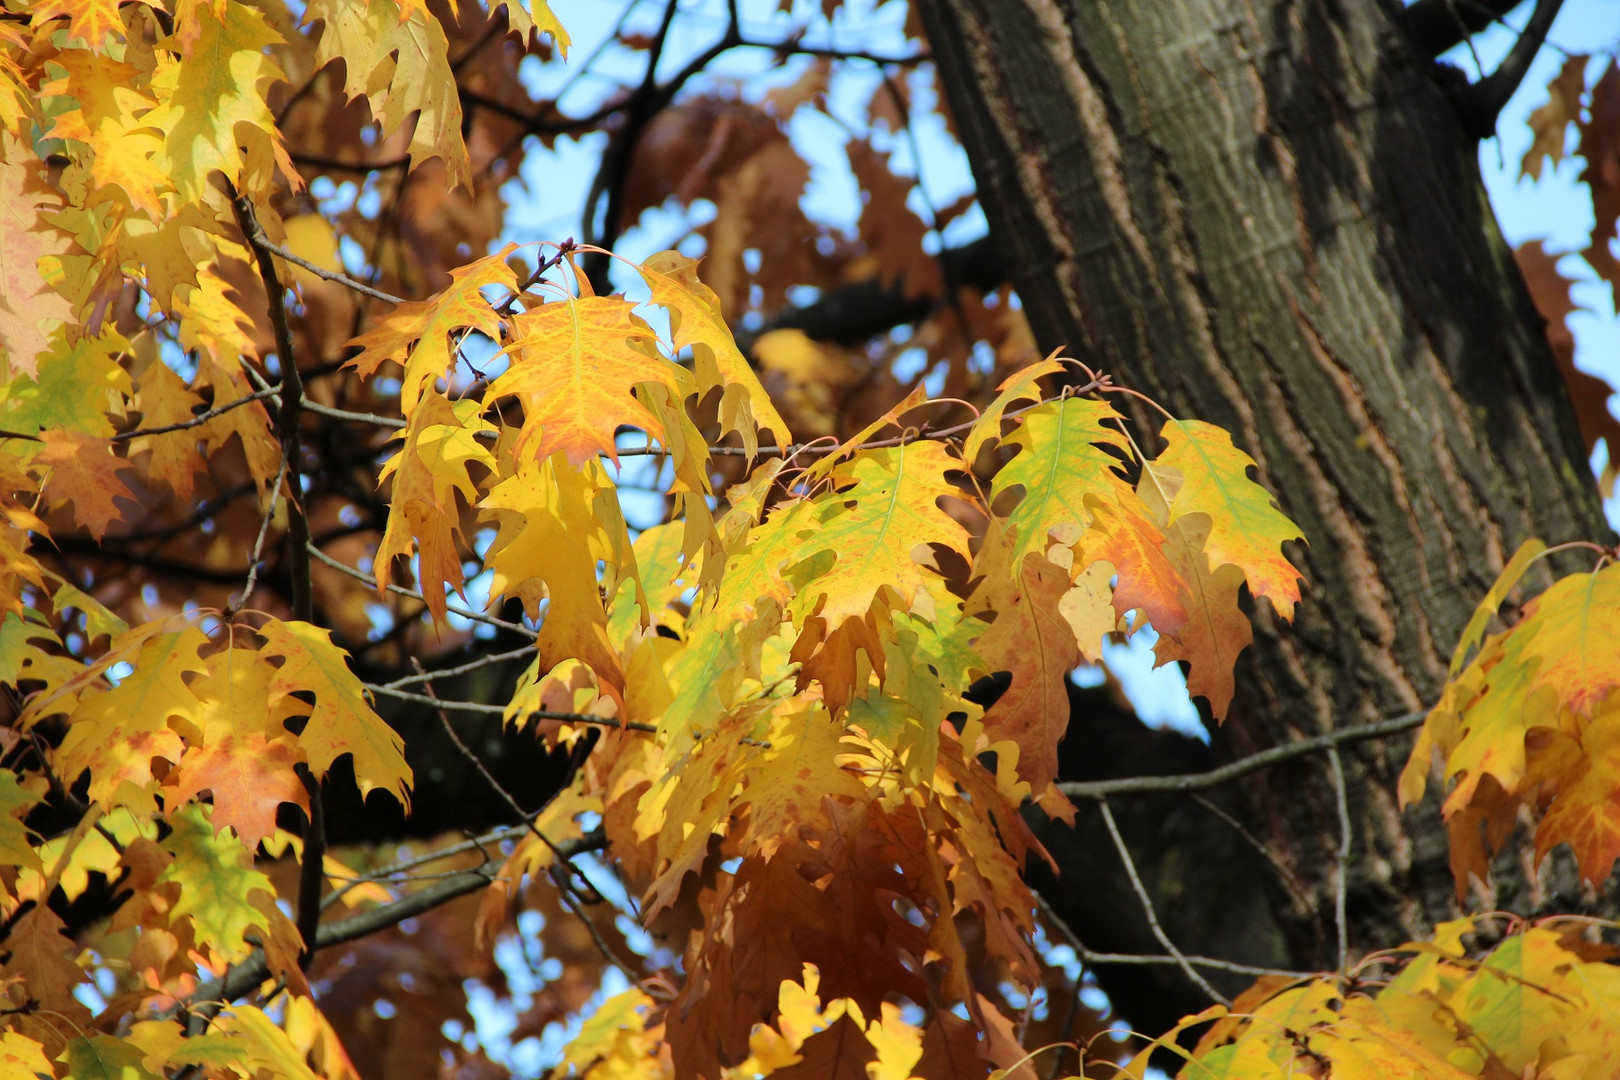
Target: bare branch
(345, 280)
(1491, 93)
(1138, 785)
(198, 420)
(1152, 917)
(1341, 866)
(455, 609)
(387, 690)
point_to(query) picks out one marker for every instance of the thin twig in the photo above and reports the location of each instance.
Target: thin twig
(198, 420)
(454, 609)
(258, 543)
(1147, 908)
(356, 417)
(563, 870)
(330, 275)
(289, 410)
(462, 669)
(500, 710)
(312, 869)
(1341, 870)
(1141, 785)
(1289, 879)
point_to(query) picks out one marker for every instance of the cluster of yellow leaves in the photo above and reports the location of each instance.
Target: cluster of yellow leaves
(1531, 717)
(623, 1039)
(1545, 1002)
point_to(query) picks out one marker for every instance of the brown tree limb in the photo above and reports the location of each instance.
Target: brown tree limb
(1139, 785)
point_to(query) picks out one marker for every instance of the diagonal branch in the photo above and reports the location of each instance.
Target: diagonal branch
(1490, 95)
(1152, 917)
(1138, 785)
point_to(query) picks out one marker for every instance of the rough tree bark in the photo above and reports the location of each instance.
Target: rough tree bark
(1268, 214)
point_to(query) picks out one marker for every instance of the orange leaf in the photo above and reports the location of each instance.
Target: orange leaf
(574, 365)
(249, 777)
(83, 470)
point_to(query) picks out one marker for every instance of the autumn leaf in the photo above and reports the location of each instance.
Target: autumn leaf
(398, 60)
(695, 322)
(218, 885)
(867, 542)
(29, 306)
(441, 442)
(82, 470)
(416, 334)
(574, 364)
(218, 89)
(1246, 529)
(341, 720)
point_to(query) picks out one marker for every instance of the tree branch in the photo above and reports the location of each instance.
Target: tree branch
(1433, 26)
(1491, 93)
(242, 978)
(1138, 785)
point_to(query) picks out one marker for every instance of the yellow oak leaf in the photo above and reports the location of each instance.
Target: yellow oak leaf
(341, 720)
(244, 1036)
(441, 442)
(398, 59)
(695, 322)
(111, 122)
(116, 732)
(163, 398)
(574, 365)
(416, 334)
(886, 514)
(217, 104)
(556, 522)
(1019, 387)
(22, 1056)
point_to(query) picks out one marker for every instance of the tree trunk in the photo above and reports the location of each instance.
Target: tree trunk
(1268, 215)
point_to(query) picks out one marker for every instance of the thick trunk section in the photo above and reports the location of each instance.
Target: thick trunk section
(1267, 215)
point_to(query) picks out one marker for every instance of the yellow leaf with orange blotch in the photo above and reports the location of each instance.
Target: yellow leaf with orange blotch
(117, 731)
(398, 60)
(416, 334)
(1245, 528)
(341, 720)
(695, 322)
(441, 443)
(574, 365)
